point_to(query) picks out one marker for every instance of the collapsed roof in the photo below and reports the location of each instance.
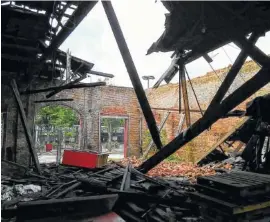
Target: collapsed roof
(196, 28)
(31, 34)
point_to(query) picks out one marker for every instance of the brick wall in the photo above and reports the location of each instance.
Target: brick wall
(89, 103)
(116, 101)
(167, 96)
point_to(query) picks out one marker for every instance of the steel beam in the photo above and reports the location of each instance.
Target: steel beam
(242, 93)
(133, 74)
(239, 62)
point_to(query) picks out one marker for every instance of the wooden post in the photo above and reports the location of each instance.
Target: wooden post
(184, 91)
(25, 125)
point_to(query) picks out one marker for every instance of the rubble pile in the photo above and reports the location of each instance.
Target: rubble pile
(65, 192)
(174, 169)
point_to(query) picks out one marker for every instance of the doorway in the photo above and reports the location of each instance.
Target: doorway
(114, 136)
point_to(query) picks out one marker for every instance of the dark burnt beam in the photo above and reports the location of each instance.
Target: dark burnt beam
(68, 84)
(184, 92)
(53, 100)
(83, 85)
(245, 91)
(239, 62)
(18, 58)
(171, 71)
(81, 11)
(28, 135)
(97, 73)
(131, 69)
(17, 46)
(253, 51)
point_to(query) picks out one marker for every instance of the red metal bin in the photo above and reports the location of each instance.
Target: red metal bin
(84, 159)
(49, 147)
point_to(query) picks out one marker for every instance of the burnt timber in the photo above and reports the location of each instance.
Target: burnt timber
(215, 26)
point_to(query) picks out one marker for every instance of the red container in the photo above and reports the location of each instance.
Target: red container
(49, 147)
(84, 159)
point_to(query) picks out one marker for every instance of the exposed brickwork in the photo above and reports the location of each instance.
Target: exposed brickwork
(167, 96)
(89, 103)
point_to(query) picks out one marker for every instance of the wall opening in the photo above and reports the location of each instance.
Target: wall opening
(114, 136)
(57, 127)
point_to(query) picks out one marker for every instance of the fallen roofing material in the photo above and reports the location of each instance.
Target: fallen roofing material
(78, 194)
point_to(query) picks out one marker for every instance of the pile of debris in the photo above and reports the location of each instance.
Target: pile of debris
(176, 169)
(63, 193)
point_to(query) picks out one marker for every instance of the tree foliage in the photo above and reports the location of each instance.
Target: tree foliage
(57, 116)
(112, 123)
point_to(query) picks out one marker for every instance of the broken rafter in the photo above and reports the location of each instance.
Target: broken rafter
(82, 85)
(68, 84)
(97, 73)
(52, 100)
(245, 91)
(25, 126)
(80, 12)
(230, 77)
(131, 69)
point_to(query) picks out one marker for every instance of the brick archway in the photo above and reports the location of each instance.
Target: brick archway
(72, 106)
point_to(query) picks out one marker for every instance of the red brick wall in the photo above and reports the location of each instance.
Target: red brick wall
(118, 101)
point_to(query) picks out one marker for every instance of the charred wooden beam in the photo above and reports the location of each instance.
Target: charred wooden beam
(242, 93)
(81, 11)
(184, 91)
(240, 60)
(131, 69)
(253, 51)
(68, 84)
(17, 46)
(82, 85)
(68, 206)
(52, 100)
(25, 126)
(97, 73)
(169, 73)
(19, 58)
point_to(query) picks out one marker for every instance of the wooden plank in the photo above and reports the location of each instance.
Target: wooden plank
(25, 126)
(225, 137)
(159, 129)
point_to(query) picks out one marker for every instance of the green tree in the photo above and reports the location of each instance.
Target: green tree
(57, 116)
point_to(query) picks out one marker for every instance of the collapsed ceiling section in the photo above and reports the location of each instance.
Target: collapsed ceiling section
(32, 33)
(193, 30)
